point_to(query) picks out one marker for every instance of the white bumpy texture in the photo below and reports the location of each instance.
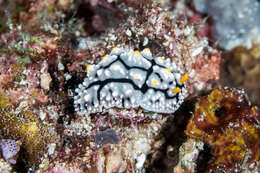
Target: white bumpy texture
(129, 79)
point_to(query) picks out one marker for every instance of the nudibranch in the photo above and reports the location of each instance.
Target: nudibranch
(131, 79)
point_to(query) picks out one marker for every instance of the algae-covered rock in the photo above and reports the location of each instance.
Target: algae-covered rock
(225, 120)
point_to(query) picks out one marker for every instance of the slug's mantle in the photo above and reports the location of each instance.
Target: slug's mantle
(129, 79)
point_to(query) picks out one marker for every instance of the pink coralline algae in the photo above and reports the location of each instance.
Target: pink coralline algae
(63, 169)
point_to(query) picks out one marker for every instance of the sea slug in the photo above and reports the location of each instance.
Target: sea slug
(131, 79)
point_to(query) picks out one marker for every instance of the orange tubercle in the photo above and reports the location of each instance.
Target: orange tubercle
(161, 58)
(104, 57)
(155, 82)
(114, 48)
(184, 78)
(88, 67)
(176, 90)
(136, 52)
(168, 70)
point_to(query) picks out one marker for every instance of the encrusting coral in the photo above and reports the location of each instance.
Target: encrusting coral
(225, 120)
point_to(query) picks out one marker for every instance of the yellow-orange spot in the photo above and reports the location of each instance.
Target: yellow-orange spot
(161, 58)
(114, 48)
(147, 49)
(155, 82)
(88, 67)
(136, 52)
(35, 93)
(137, 76)
(19, 143)
(104, 57)
(176, 90)
(86, 98)
(184, 78)
(168, 70)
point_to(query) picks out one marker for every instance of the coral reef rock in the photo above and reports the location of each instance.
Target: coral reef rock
(236, 21)
(241, 69)
(225, 120)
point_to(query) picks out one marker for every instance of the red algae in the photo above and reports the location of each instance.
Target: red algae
(230, 125)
